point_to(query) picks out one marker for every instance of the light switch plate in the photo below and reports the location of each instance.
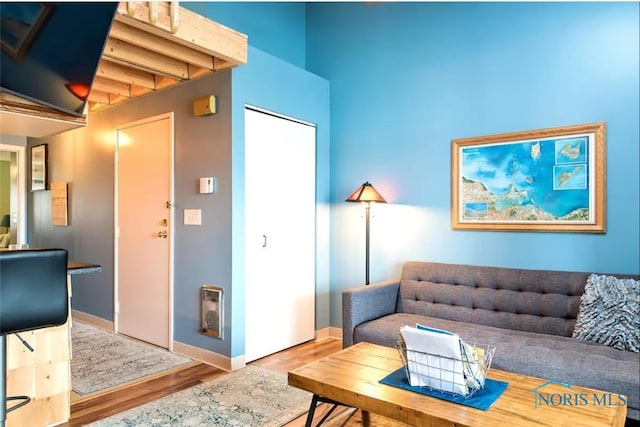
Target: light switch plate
(193, 217)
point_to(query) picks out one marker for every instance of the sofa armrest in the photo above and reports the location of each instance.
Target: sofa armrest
(366, 303)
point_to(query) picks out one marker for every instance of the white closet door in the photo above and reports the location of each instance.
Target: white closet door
(279, 233)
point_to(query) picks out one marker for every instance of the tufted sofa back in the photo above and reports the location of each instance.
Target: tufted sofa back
(542, 301)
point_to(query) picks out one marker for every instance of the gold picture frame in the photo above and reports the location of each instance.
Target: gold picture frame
(539, 180)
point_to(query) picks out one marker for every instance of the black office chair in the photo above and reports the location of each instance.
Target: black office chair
(33, 295)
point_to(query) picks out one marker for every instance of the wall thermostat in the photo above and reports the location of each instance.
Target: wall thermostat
(207, 185)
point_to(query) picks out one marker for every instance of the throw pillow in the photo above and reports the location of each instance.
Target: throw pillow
(609, 312)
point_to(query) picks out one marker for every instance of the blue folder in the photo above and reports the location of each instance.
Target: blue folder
(481, 399)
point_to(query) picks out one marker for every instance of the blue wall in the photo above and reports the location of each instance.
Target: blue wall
(407, 78)
(275, 85)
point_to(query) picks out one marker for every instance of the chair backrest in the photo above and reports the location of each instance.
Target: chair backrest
(33, 289)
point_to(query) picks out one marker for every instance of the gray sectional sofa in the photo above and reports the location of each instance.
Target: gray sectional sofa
(528, 315)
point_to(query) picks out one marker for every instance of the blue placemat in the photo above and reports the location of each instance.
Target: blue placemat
(481, 399)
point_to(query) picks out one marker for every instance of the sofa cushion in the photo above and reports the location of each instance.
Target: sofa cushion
(545, 356)
(610, 313)
(542, 301)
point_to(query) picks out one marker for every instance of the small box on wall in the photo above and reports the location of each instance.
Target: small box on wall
(208, 185)
(205, 106)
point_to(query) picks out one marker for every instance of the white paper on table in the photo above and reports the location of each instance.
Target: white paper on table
(434, 360)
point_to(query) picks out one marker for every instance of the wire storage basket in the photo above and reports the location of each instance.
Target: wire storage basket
(463, 377)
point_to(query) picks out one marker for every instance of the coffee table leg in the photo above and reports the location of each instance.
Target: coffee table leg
(312, 409)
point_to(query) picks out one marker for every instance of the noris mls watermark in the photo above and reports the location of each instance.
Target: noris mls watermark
(570, 397)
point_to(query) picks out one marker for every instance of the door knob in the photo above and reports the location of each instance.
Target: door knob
(163, 234)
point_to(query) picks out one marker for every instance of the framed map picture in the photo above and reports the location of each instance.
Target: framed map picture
(540, 180)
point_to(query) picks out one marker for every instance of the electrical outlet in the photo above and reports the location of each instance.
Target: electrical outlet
(193, 217)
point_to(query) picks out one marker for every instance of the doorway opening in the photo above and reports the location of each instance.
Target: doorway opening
(12, 195)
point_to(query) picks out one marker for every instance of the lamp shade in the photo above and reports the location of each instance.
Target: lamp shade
(366, 193)
(5, 222)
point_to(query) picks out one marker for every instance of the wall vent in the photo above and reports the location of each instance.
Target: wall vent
(211, 311)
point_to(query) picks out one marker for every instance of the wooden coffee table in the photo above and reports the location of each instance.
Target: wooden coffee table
(351, 377)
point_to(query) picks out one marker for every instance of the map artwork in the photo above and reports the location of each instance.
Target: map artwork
(529, 181)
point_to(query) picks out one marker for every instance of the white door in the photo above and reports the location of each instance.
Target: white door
(144, 223)
(279, 232)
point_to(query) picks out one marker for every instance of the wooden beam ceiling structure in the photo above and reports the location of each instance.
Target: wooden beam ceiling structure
(156, 45)
(151, 46)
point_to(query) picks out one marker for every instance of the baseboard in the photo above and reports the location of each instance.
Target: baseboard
(96, 321)
(329, 332)
(210, 358)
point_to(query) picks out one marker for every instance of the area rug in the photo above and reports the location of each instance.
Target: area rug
(102, 360)
(250, 396)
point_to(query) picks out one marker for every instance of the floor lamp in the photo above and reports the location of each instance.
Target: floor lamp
(367, 195)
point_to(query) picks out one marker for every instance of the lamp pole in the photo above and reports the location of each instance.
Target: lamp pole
(366, 259)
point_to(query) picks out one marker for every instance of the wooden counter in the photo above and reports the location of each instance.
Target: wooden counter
(44, 374)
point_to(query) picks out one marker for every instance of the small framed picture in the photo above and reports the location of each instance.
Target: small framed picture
(39, 178)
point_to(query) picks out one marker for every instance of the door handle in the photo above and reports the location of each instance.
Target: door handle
(163, 234)
(264, 242)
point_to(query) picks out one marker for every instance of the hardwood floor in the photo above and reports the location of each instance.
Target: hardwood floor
(113, 401)
(96, 407)
(120, 399)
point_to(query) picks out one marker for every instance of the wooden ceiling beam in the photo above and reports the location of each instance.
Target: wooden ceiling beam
(119, 73)
(195, 72)
(146, 53)
(126, 53)
(221, 64)
(163, 82)
(94, 106)
(157, 44)
(99, 97)
(111, 86)
(193, 30)
(115, 99)
(139, 90)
